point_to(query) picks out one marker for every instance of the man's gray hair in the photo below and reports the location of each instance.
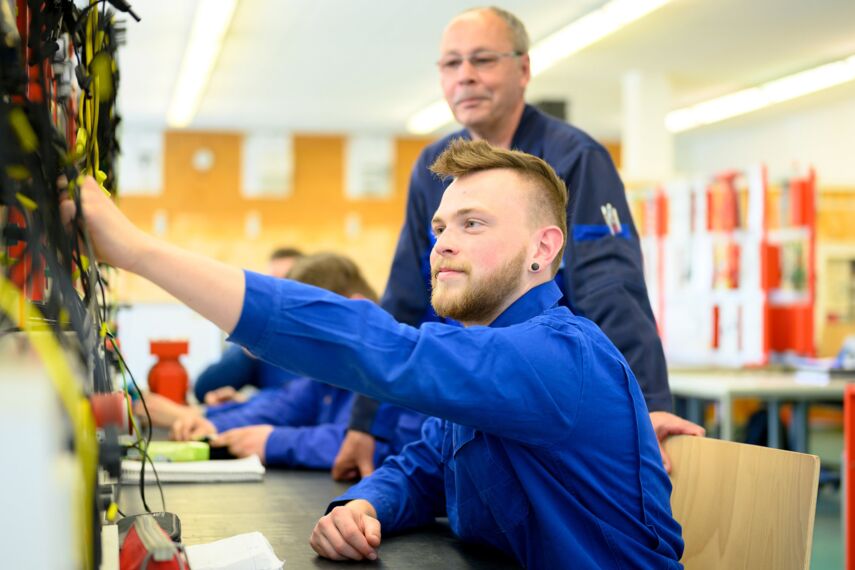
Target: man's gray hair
(519, 35)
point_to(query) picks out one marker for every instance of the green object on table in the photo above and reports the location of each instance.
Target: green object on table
(175, 451)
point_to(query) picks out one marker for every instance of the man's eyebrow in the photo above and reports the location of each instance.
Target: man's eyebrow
(458, 213)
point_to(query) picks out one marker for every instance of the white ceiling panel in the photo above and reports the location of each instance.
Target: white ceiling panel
(367, 65)
(149, 62)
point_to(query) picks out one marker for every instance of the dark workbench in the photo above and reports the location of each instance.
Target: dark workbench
(285, 507)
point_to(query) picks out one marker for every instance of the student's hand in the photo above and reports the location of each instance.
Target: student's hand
(190, 428)
(666, 424)
(223, 395)
(163, 411)
(116, 240)
(245, 441)
(349, 532)
(355, 457)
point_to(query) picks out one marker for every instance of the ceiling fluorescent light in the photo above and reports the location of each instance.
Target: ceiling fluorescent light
(570, 39)
(587, 30)
(748, 100)
(210, 24)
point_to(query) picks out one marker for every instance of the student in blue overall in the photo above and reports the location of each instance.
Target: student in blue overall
(220, 382)
(301, 424)
(484, 70)
(544, 448)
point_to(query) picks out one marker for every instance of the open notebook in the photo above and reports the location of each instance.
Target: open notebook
(213, 471)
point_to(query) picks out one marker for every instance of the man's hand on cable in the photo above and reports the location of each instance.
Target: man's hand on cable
(349, 532)
(191, 428)
(116, 240)
(666, 424)
(245, 441)
(355, 458)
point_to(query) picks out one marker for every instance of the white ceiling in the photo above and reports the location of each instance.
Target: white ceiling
(367, 65)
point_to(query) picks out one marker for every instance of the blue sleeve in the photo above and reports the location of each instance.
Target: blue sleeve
(235, 368)
(406, 296)
(295, 404)
(490, 378)
(408, 490)
(604, 274)
(313, 447)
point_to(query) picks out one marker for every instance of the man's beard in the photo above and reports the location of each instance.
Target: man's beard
(479, 300)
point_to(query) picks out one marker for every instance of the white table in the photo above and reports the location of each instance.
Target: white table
(774, 388)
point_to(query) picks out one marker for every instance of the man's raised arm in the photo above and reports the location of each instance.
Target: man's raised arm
(211, 288)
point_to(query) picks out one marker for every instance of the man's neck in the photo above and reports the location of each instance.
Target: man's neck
(502, 134)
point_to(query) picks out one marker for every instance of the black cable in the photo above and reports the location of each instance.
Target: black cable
(144, 452)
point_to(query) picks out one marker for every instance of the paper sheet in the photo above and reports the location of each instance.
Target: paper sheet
(217, 470)
(249, 551)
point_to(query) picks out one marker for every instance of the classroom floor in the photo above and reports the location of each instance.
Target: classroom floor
(827, 551)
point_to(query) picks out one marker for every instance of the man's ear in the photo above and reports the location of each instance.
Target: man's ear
(547, 243)
(525, 62)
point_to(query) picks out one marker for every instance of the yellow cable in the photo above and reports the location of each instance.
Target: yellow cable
(42, 339)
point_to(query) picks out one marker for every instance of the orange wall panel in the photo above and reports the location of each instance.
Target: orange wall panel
(205, 211)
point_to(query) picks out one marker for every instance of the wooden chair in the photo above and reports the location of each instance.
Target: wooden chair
(742, 506)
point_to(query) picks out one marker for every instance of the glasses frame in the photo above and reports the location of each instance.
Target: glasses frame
(443, 63)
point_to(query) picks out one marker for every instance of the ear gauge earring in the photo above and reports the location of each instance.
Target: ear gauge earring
(535, 266)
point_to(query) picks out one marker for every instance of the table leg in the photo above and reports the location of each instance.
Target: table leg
(694, 410)
(773, 407)
(726, 415)
(799, 437)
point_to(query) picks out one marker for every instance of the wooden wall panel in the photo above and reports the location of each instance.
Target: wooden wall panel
(205, 211)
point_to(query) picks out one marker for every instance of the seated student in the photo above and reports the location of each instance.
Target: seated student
(221, 381)
(303, 423)
(545, 449)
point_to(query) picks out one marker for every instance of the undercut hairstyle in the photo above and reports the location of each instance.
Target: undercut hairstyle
(332, 272)
(286, 253)
(548, 203)
(516, 29)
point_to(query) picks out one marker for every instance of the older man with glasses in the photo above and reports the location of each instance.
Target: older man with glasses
(484, 70)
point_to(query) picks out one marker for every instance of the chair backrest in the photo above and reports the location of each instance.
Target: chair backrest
(742, 506)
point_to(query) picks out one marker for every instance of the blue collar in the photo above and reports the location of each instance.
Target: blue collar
(526, 133)
(533, 303)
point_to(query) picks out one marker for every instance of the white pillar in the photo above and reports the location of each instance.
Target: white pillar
(647, 147)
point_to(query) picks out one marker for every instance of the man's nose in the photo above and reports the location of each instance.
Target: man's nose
(466, 73)
(445, 244)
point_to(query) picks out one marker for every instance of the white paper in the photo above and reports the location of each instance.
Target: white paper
(216, 470)
(368, 163)
(140, 164)
(250, 551)
(267, 165)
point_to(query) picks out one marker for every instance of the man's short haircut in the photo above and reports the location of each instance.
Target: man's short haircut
(549, 206)
(285, 253)
(332, 272)
(518, 34)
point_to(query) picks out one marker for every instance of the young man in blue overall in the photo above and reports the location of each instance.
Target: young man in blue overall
(544, 448)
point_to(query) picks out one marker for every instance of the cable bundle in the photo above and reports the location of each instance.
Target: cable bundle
(58, 83)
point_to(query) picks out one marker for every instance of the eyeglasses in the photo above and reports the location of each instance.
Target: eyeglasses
(480, 60)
